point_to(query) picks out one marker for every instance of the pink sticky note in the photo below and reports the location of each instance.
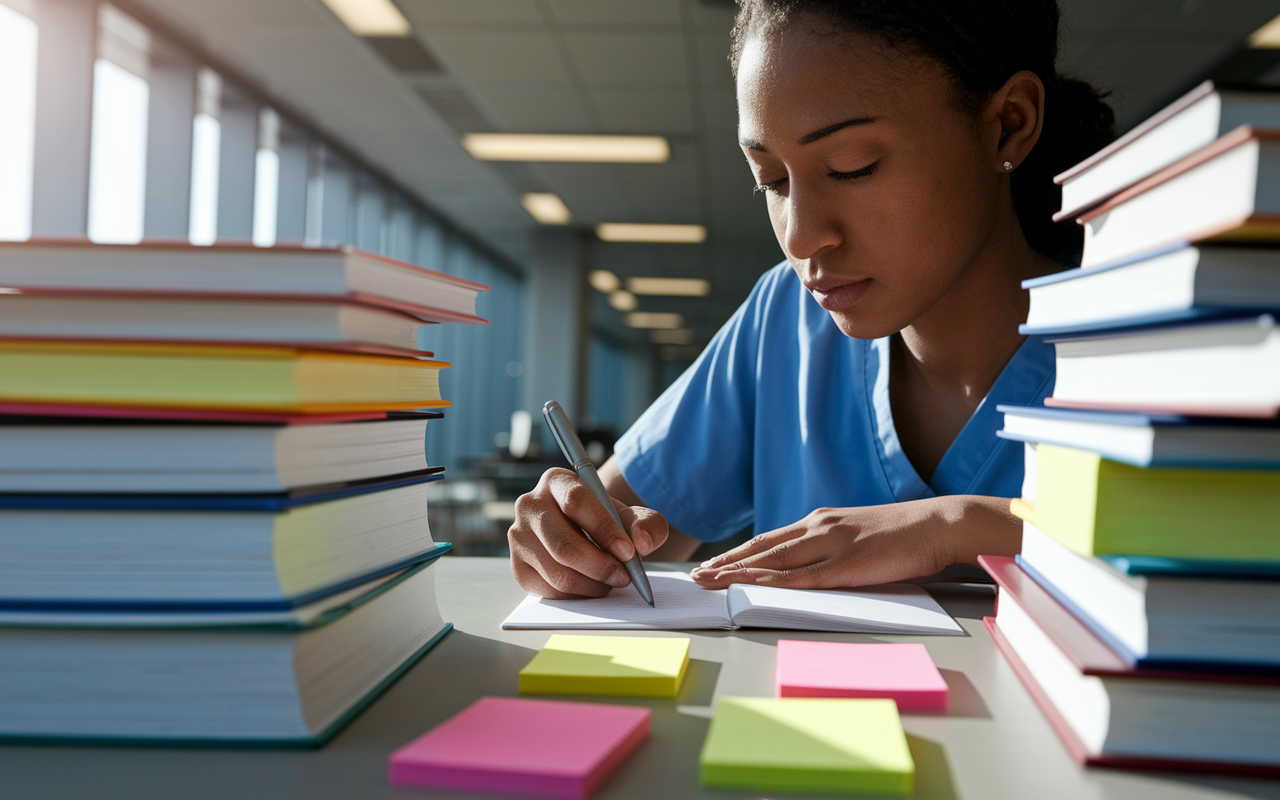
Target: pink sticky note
(903, 672)
(542, 748)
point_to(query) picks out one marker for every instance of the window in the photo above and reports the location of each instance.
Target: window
(266, 179)
(206, 144)
(17, 123)
(118, 143)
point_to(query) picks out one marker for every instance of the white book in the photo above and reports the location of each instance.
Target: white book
(255, 320)
(72, 455)
(1186, 125)
(166, 268)
(681, 604)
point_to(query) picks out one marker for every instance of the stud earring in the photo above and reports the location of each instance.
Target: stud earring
(1008, 167)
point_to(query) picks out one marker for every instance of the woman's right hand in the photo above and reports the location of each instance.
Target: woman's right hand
(551, 557)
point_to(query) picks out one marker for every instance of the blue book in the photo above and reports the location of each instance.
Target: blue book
(209, 551)
(1175, 284)
(274, 501)
(1149, 440)
(153, 683)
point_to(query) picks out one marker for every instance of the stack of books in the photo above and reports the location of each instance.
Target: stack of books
(213, 487)
(1143, 613)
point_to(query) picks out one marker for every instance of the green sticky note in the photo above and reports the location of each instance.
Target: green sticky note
(807, 745)
(638, 666)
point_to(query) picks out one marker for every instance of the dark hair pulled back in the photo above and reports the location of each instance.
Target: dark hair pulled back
(981, 43)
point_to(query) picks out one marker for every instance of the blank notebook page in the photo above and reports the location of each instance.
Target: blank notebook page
(893, 608)
(678, 603)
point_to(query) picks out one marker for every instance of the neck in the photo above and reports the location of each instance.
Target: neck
(961, 344)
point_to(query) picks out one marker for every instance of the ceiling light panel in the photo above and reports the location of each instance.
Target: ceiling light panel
(623, 300)
(653, 320)
(555, 147)
(370, 17)
(664, 234)
(602, 280)
(675, 336)
(546, 208)
(1268, 36)
(669, 287)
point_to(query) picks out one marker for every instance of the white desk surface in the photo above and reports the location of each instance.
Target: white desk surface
(992, 744)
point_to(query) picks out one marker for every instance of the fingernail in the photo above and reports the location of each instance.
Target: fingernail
(619, 579)
(623, 550)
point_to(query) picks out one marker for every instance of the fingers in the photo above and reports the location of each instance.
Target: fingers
(809, 576)
(647, 527)
(549, 554)
(760, 544)
(582, 508)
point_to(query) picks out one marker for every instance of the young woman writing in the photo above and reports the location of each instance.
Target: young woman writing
(847, 410)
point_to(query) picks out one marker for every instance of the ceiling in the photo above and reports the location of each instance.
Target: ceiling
(618, 66)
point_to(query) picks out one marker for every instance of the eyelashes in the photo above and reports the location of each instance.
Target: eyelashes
(774, 186)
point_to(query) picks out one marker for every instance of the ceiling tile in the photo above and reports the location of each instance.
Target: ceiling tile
(713, 60)
(499, 56)
(643, 110)
(1237, 18)
(424, 13)
(630, 58)
(536, 108)
(616, 12)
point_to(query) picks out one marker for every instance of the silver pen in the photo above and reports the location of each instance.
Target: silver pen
(576, 454)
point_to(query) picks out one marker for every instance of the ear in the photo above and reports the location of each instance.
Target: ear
(1016, 113)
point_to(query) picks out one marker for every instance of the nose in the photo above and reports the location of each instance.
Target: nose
(810, 225)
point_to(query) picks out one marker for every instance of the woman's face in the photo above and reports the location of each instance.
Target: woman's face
(882, 187)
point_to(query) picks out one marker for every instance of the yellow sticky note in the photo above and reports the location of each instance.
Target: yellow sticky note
(637, 666)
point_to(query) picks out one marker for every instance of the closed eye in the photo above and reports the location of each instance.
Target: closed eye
(857, 173)
(772, 186)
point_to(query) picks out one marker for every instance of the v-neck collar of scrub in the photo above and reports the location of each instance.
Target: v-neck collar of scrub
(1021, 382)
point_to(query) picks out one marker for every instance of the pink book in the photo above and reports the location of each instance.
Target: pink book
(539, 748)
(901, 672)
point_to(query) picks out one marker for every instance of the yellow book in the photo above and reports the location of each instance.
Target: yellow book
(1095, 506)
(634, 666)
(278, 379)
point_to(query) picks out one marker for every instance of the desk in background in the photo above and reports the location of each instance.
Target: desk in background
(993, 744)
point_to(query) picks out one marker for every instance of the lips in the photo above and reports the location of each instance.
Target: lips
(842, 296)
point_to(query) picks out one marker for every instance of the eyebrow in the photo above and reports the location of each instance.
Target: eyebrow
(821, 133)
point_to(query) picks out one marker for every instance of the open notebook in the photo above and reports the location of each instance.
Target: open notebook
(682, 604)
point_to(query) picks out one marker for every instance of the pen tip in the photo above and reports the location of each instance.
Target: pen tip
(651, 605)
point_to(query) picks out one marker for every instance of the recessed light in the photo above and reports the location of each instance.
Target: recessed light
(560, 147)
(653, 319)
(622, 300)
(676, 336)
(546, 208)
(602, 280)
(1268, 36)
(669, 287)
(639, 232)
(370, 17)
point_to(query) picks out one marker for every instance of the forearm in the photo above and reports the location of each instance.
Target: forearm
(967, 526)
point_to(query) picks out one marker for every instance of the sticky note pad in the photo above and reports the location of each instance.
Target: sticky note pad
(901, 672)
(801, 744)
(542, 748)
(636, 666)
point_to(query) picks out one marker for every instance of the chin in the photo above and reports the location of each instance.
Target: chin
(860, 324)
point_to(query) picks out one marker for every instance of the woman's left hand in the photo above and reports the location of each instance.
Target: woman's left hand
(840, 547)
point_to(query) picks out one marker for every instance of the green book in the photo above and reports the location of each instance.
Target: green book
(1097, 506)
(795, 744)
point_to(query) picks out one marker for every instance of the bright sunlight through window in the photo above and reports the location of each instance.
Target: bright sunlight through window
(17, 123)
(117, 154)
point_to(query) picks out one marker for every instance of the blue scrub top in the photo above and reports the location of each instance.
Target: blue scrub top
(783, 413)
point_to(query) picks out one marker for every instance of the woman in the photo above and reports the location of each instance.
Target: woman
(847, 410)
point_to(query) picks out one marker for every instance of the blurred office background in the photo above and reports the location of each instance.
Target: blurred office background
(343, 121)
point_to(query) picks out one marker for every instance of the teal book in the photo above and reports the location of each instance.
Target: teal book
(295, 683)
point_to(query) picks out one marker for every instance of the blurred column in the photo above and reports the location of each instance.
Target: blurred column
(291, 203)
(238, 154)
(172, 107)
(554, 343)
(64, 103)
